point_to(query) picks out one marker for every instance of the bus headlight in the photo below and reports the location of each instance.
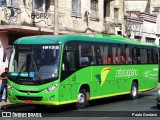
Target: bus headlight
(53, 87)
(10, 87)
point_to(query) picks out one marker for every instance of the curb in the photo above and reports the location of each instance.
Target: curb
(11, 105)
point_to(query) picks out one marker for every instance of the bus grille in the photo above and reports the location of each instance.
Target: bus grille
(29, 98)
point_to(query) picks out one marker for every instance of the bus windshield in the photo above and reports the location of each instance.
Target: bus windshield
(34, 62)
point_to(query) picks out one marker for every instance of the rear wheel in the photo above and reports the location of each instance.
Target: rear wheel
(134, 91)
(83, 99)
(158, 106)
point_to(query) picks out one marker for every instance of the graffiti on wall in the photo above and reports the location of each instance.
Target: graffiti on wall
(39, 17)
(13, 15)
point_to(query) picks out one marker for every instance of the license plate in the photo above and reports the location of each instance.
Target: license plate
(29, 101)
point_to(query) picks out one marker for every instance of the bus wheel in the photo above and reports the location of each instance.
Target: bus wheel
(134, 91)
(83, 99)
(158, 106)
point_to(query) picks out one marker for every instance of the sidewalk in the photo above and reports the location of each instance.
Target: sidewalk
(7, 105)
(3, 104)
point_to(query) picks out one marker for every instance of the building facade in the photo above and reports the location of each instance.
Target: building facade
(141, 20)
(20, 18)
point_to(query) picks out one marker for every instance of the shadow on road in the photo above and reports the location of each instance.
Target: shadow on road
(71, 107)
(154, 108)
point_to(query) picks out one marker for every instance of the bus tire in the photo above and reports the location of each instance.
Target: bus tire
(158, 106)
(134, 91)
(83, 99)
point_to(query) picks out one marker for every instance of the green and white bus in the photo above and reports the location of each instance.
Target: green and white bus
(57, 70)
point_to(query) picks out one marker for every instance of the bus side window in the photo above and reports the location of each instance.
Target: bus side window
(128, 57)
(85, 54)
(155, 55)
(98, 55)
(122, 54)
(114, 54)
(150, 56)
(68, 60)
(138, 55)
(134, 55)
(143, 54)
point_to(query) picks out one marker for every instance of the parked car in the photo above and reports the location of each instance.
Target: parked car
(158, 99)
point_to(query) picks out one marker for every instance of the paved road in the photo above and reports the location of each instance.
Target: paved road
(111, 108)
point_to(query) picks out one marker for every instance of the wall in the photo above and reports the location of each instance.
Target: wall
(82, 23)
(3, 45)
(136, 5)
(24, 14)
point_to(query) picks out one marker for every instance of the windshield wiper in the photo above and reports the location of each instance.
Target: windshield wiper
(35, 66)
(36, 70)
(22, 67)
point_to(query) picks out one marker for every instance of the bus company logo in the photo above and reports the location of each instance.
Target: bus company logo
(122, 72)
(28, 88)
(6, 114)
(104, 74)
(20, 115)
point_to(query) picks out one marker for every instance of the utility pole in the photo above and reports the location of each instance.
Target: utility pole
(55, 17)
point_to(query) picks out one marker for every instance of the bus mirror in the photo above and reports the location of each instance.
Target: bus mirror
(63, 67)
(4, 57)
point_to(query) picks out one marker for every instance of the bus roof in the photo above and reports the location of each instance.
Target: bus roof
(61, 39)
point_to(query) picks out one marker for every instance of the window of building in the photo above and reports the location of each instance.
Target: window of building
(76, 7)
(24, 2)
(12, 3)
(2, 2)
(106, 9)
(116, 17)
(38, 5)
(150, 40)
(94, 9)
(41, 5)
(47, 5)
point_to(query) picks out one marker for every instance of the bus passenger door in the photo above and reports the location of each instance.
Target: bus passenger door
(64, 94)
(68, 77)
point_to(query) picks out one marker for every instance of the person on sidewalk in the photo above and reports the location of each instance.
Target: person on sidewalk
(3, 77)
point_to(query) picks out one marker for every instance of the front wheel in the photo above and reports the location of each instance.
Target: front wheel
(134, 91)
(83, 99)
